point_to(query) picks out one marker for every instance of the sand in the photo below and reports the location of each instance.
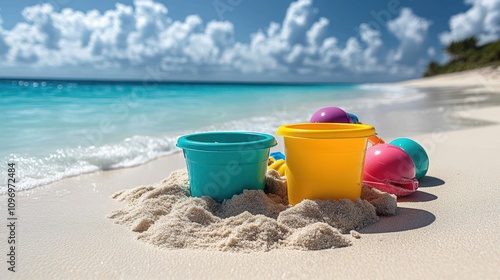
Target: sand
(487, 78)
(165, 215)
(448, 229)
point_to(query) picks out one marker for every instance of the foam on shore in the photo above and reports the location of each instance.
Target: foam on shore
(166, 216)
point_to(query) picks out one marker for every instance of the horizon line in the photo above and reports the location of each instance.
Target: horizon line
(172, 82)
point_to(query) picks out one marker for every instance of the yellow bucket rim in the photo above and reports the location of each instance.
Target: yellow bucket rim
(326, 130)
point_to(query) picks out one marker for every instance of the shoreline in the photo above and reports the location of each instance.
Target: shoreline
(446, 229)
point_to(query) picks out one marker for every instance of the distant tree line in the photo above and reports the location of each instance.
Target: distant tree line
(466, 54)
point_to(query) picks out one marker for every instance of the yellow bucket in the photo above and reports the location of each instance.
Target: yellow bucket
(324, 160)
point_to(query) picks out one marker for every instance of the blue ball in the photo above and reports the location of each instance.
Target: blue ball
(354, 118)
(417, 154)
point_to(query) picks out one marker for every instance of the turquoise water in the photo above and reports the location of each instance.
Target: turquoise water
(64, 115)
(56, 129)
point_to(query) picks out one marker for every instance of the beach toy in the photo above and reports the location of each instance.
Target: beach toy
(277, 162)
(417, 154)
(324, 160)
(277, 155)
(336, 115)
(279, 166)
(390, 169)
(330, 115)
(353, 118)
(270, 161)
(222, 164)
(375, 140)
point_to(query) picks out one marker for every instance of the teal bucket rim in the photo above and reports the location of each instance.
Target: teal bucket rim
(267, 141)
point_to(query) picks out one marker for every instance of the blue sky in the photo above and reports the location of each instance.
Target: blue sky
(236, 40)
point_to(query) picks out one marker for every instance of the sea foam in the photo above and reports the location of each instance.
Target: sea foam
(35, 171)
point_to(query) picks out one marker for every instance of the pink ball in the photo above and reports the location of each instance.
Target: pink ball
(330, 115)
(390, 169)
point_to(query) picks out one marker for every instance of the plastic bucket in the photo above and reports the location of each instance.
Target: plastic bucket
(222, 164)
(324, 160)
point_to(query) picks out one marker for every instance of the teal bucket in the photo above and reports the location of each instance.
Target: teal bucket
(222, 164)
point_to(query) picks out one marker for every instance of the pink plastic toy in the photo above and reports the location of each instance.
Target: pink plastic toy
(390, 169)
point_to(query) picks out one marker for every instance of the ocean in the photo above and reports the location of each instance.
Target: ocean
(57, 129)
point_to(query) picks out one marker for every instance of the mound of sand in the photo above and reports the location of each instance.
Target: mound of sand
(166, 216)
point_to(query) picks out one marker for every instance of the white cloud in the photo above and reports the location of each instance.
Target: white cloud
(411, 31)
(41, 19)
(409, 27)
(482, 20)
(297, 21)
(3, 46)
(222, 33)
(373, 40)
(317, 33)
(131, 38)
(431, 52)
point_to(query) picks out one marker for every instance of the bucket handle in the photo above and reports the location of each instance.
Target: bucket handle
(375, 140)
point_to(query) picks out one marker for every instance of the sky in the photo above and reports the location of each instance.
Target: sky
(236, 40)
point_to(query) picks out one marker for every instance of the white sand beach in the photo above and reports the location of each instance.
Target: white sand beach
(448, 229)
(488, 77)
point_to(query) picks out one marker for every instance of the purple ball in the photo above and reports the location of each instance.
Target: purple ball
(330, 115)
